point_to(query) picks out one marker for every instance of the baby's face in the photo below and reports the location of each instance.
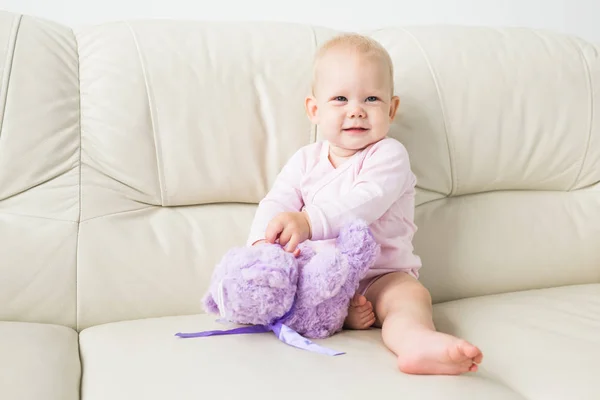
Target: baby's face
(353, 104)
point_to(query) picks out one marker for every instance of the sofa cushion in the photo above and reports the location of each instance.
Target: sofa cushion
(144, 360)
(544, 344)
(38, 361)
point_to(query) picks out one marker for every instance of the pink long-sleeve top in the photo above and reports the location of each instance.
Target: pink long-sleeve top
(376, 184)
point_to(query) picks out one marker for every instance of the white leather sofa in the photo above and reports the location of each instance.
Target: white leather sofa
(132, 156)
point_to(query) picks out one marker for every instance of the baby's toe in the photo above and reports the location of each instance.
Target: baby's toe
(368, 319)
(358, 300)
(471, 352)
(364, 309)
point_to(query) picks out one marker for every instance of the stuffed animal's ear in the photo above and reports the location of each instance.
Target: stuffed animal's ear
(210, 306)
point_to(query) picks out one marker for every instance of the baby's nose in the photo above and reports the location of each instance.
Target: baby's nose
(356, 112)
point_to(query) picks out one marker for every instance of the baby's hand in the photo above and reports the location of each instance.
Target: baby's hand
(291, 228)
(259, 242)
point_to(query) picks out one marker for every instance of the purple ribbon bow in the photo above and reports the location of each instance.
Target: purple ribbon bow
(283, 333)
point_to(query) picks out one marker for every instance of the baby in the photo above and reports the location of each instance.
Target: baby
(359, 172)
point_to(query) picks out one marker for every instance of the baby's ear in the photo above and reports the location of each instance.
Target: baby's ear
(210, 306)
(394, 104)
(310, 104)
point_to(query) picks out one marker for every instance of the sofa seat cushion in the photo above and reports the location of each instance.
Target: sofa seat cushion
(144, 360)
(38, 361)
(543, 344)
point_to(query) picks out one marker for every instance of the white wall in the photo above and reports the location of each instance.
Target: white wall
(579, 17)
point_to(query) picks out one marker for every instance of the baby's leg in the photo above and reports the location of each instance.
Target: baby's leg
(403, 311)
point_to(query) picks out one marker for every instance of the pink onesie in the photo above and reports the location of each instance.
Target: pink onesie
(376, 185)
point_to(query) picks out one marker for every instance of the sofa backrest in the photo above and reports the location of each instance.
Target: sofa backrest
(184, 127)
(154, 140)
(39, 171)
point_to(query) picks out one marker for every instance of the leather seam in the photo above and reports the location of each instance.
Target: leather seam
(313, 131)
(117, 213)
(69, 221)
(153, 119)
(80, 187)
(586, 67)
(36, 184)
(12, 46)
(449, 143)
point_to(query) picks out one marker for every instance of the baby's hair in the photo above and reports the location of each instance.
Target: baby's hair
(362, 45)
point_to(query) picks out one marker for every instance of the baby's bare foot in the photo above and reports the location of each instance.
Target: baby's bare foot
(435, 353)
(360, 313)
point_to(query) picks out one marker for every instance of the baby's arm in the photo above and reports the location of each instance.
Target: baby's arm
(381, 181)
(284, 196)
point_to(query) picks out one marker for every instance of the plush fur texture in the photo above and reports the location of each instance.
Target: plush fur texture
(260, 284)
(256, 285)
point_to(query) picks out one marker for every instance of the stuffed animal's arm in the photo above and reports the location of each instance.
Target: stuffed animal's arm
(323, 276)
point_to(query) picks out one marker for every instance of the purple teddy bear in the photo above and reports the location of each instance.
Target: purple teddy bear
(264, 285)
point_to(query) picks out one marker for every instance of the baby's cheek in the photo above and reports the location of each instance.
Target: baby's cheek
(381, 125)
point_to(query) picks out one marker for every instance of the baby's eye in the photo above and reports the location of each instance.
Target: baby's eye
(372, 98)
(340, 98)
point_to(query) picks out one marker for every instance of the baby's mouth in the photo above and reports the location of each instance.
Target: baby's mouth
(355, 130)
